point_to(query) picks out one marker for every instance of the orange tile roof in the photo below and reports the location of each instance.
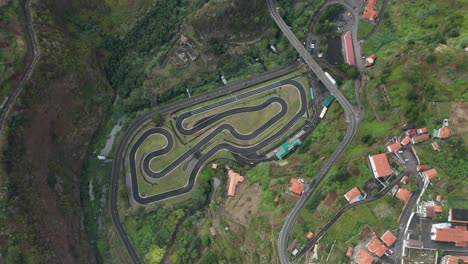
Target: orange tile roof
(394, 147)
(310, 235)
(406, 140)
(435, 145)
(277, 199)
(353, 195)
(380, 165)
(376, 246)
(438, 208)
(405, 179)
(422, 167)
(349, 252)
(370, 13)
(449, 259)
(371, 60)
(423, 130)
(363, 257)
(420, 138)
(388, 238)
(404, 195)
(431, 174)
(458, 235)
(444, 132)
(234, 179)
(297, 187)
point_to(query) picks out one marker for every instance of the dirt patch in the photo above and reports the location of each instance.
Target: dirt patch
(354, 171)
(459, 120)
(4, 45)
(441, 48)
(330, 199)
(242, 207)
(365, 232)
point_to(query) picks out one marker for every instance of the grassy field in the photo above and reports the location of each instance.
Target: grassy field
(12, 45)
(364, 29)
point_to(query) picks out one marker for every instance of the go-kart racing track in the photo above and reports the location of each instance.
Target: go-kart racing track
(246, 153)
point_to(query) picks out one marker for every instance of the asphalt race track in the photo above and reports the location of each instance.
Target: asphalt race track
(248, 153)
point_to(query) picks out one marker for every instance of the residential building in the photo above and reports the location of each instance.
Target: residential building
(419, 138)
(293, 246)
(422, 167)
(370, 12)
(423, 130)
(349, 252)
(458, 216)
(439, 198)
(213, 231)
(438, 208)
(234, 179)
(371, 60)
(310, 235)
(364, 257)
(388, 238)
(457, 235)
(354, 195)
(394, 147)
(405, 179)
(376, 247)
(380, 166)
(214, 166)
(404, 195)
(297, 186)
(443, 132)
(349, 50)
(406, 140)
(430, 174)
(449, 259)
(277, 199)
(435, 146)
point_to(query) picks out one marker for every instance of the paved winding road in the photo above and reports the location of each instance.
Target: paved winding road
(144, 119)
(33, 48)
(352, 117)
(249, 153)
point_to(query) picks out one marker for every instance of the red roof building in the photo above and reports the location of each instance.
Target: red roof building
(394, 147)
(388, 238)
(353, 195)
(296, 186)
(277, 199)
(403, 194)
(406, 140)
(310, 235)
(363, 257)
(430, 174)
(457, 235)
(370, 13)
(376, 246)
(419, 138)
(234, 179)
(349, 49)
(380, 166)
(405, 179)
(449, 259)
(423, 130)
(349, 252)
(438, 209)
(371, 60)
(422, 167)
